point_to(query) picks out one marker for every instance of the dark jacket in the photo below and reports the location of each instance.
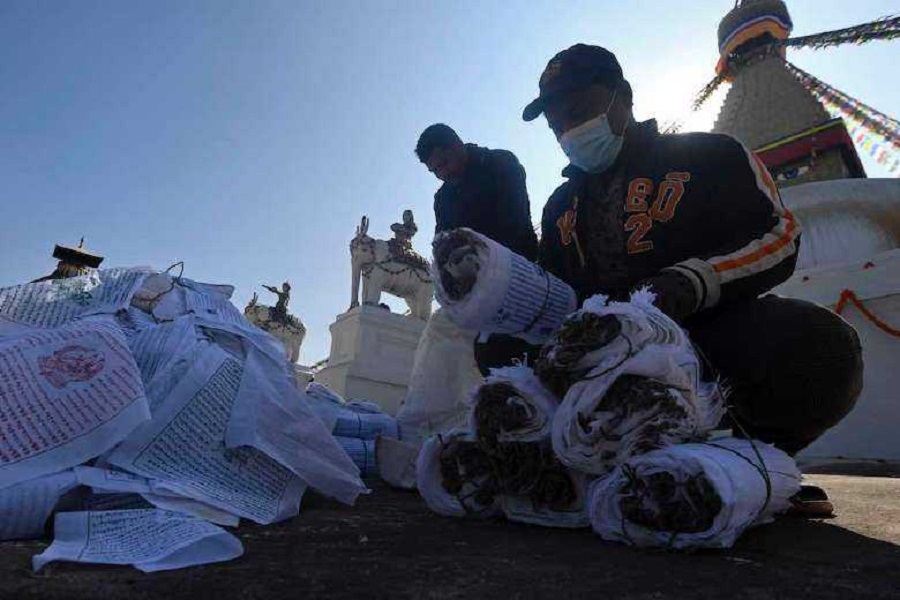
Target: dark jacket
(697, 208)
(491, 199)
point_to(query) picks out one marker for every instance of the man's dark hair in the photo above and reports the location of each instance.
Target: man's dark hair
(434, 137)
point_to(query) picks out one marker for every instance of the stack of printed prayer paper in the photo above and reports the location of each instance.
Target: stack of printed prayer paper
(154, 410)
(356, 425)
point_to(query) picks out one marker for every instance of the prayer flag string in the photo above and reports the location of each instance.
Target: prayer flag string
(874, 132)
(886, 28)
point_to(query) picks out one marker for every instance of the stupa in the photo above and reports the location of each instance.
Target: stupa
(810, 136)
(796, 123)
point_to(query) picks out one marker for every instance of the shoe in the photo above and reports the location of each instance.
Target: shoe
(811, 502)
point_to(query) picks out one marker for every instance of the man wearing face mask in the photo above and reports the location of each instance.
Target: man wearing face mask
(698, 219)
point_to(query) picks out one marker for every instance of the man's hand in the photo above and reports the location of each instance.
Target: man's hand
(675, 295)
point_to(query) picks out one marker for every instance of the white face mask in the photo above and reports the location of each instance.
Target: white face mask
(592, 146)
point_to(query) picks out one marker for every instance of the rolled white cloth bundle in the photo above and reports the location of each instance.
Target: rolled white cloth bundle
(512, 405)
(458, 478)
(511, 414)
(693, 495)
(484, 286)
(648, 401)
(569, 513)
(453, 476)
(606, 333)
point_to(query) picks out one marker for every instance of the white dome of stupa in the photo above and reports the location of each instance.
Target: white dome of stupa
(845, 220)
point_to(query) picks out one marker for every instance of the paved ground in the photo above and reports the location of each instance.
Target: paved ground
(391, 546)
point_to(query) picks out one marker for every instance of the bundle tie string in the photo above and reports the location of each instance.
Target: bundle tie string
(544, 305)
(152, 302)
(761, 468)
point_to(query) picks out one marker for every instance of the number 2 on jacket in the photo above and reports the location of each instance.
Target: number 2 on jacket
(640, 222)
(639, 225)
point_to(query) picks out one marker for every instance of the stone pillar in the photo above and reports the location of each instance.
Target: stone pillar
(371, 357)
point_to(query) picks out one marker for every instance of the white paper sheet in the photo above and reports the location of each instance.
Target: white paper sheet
(57, 302)
(323, 392)
(327, 405)
(164, 353)
(112, 481)
(109, 481)
(193, 508)
(150, 539)
(272, 415)
(66, 395)
(183, 448)
(155, 348)
(98, 502)
(247, 333)
(219, 289)
(215, 307)
(133, 320)
(25, 507)
(166, 379)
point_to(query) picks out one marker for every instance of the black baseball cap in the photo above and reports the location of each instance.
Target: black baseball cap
(574, 68)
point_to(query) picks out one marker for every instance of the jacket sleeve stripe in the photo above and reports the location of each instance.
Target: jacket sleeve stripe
(764, 180)
(774, 246)
(762, 254)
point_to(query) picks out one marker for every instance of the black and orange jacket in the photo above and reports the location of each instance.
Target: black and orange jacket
(699, 204)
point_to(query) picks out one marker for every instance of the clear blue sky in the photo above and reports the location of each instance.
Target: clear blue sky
(248, 137)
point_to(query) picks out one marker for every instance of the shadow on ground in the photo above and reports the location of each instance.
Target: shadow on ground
(390, 545)
(870, 468)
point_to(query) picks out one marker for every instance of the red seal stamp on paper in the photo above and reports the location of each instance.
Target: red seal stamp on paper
(71, 364)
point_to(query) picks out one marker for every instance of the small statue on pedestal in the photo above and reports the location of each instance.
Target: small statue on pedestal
(72, 262)
(279, 312)
(276, 319)
(401, 245)
(404, 232)
(391, 266)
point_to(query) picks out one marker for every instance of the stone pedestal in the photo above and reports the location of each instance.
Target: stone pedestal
(290, 334)
(302, 376)
(372, 353)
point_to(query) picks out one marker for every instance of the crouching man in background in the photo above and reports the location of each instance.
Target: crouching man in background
(484, 190)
